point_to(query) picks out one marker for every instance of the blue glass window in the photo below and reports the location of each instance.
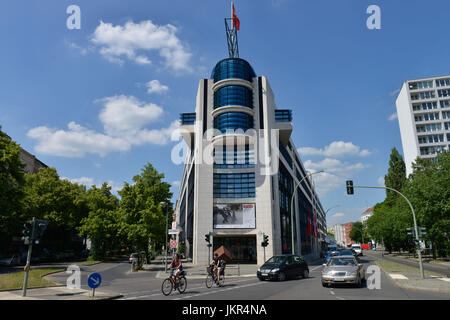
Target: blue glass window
(233, 95)
(234, 159)
(234, 185)
(283, 115)
(233, 68)
(187, 118)
(233, 121)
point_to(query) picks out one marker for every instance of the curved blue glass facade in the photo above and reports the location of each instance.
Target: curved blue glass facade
(233, 121)
(233, 68)
(233, 96)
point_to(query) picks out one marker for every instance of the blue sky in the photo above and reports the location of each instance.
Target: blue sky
(99, 102)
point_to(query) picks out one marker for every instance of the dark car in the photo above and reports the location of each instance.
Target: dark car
(347, 253)
(283, 267)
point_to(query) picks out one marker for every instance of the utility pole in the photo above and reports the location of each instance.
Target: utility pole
(350, 191)
(30, 248)
(167, 223)
(292, 208)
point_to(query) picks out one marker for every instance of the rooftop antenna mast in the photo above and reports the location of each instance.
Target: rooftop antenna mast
(232, 39)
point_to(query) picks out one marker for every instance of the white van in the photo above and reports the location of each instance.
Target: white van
(358, 249)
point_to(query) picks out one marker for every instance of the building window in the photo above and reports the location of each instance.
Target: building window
(447, 126)
(421, 85)
(445, 104)
(233, 96)
(283, 115)
(233, 121)
(444, 93)
(443, 82)
(233, 68)
(445, 114)
(236, 158)
(234, 185)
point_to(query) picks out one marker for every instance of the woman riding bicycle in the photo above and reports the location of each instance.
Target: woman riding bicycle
(217, 264)
(176, 263)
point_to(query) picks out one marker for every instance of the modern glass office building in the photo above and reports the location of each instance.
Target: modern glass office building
(423, 110)
(240, 173)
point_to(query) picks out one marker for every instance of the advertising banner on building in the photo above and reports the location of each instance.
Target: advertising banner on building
(234, 216)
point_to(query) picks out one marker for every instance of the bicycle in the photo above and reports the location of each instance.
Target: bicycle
(171, 283)
(212, 277)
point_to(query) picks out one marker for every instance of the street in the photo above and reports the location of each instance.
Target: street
(144, 286)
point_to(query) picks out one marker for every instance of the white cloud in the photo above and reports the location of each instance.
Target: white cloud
(338, 215)
(176, 183)
(336, 149)
(335, 175)
(393, 116)
(381, 181)
(75, 142)
(89, 182)
(155, 86)
(126, 114)
(124, 119)
(134, 40)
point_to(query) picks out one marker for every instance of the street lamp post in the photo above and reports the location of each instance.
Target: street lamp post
(167, 223)
(292, 211)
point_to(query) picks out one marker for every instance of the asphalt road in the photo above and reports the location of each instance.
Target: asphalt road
(144, 286)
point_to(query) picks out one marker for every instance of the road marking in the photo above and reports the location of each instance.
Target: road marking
(222, 290)
(397, 276)
(445, 279)
(316, 268)
(159, 293)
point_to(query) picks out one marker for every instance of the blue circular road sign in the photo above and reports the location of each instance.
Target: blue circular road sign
(94, 280)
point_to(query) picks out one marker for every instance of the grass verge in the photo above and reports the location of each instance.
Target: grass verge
(14, 280)
(394, 267)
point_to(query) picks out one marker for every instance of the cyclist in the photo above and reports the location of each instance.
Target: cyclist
(176, 263)
(217, 264)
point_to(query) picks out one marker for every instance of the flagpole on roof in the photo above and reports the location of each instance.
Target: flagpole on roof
(231, 31)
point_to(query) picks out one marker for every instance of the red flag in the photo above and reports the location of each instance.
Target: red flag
(236, 22)
(308, 230)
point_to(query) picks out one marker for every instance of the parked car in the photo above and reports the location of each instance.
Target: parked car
(330, 254)
(343, 269)
(283, 267)
(133, 256)
(357, 248)
(347, 253)
(10, 261)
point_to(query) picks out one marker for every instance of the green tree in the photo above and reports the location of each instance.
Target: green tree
(396, 176)
(357, 232)
(59, 201)
(142, 214)
(12, 180)
(429, 192)
(102, 225)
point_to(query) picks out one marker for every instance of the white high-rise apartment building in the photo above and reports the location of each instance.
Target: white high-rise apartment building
(423, 109)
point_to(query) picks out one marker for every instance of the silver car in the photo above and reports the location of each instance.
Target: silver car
(343, 269)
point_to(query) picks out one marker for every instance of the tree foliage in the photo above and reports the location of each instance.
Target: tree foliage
(12, 179)
(428, 190)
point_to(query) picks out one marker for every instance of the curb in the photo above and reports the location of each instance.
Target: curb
(56, 286)
(411, 287)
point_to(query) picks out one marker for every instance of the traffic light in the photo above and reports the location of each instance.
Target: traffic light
(39, 228)
(410, 231)
(265, 242)
(207, 238)
(350, 187)
(27, 231)
(422, 232)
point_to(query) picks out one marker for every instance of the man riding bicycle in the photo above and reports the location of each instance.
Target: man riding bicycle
(176, 263)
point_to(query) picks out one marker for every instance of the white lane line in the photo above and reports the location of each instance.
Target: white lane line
(160, 293)
(223, 290)
(445, 279)
(397, 276)
(315, 268)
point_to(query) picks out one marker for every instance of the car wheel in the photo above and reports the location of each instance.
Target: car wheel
(260, 279)
(282, 276)
(324, 285)
(305, 273)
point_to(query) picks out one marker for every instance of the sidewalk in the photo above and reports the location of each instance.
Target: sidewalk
(58, 293)
(409, 278)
